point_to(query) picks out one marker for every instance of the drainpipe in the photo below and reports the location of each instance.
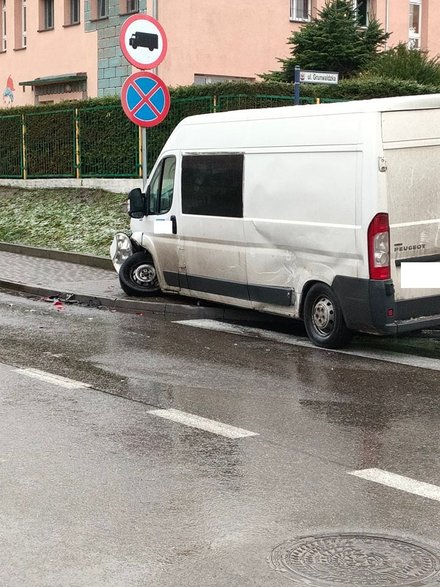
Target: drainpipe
(387, 19)
(155, 14)
(155, 9)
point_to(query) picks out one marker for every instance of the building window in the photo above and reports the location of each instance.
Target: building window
(201, 79)
(102, 11)
(20, 24)
(46, 15)
(212, 185)
(362, 8)
(300, 9)
(128, 6)
(3, 45)
(23, 24)
(99, 9)
(415, 20)
(74, 12)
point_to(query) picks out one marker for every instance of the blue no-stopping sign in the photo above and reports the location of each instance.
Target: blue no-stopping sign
(145, 99)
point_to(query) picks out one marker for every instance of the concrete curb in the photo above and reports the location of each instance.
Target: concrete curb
(165, 307)
(115, 185)
(67, 257)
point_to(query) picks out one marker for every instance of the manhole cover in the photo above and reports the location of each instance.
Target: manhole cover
(358, 560)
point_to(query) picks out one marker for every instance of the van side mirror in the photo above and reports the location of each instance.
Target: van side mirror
(137, 204)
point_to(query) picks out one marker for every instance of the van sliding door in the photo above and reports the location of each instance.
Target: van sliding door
(212, 226)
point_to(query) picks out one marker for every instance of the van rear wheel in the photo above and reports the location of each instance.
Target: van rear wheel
(323, 318)
(138, 276)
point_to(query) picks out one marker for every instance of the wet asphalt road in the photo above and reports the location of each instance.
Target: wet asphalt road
(97, 490)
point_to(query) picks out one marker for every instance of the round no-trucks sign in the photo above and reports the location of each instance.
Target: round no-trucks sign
(145, 99)
(143, 41)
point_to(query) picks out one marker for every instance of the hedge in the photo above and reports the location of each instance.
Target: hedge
(107, 144)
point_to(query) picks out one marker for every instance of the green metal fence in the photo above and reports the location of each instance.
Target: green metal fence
(107, 143)
(100, 141)
(49, 143)
(11, 147)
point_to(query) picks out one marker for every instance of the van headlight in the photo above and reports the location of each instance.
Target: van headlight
(120, 249)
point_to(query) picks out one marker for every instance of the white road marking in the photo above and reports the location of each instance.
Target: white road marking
(399, 482)
(54, 379)
(202, 423)
(388, 356)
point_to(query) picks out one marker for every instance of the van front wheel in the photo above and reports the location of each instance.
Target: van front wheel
(323, 318)
(138, 276)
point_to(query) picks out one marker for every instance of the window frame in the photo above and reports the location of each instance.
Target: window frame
(47, 16)
(294, 11)
(23, 24)
(3, 29)
(134, 8)
(159, 174)
(414, 39)
(367, 4)
(75, 7)
(101, 9)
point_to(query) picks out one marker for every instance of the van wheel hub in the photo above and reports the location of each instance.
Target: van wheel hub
(144, 274)
(324, 315)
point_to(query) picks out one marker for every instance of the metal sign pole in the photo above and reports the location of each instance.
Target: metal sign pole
(297, 84)
(144, 130)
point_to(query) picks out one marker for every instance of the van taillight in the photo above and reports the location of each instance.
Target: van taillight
(379, 247)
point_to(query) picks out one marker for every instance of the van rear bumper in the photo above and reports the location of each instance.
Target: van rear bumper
(369, 305)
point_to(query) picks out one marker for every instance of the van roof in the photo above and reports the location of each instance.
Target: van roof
(351, 107)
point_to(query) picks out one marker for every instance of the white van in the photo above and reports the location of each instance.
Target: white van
(304, 211)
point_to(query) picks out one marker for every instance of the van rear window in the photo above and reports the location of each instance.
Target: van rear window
(212, 185)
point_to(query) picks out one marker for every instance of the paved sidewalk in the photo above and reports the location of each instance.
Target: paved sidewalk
(71, 277)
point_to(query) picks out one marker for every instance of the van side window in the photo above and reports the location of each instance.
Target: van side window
(161, 187)
(212, 185)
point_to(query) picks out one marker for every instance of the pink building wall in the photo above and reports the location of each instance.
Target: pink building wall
(63, 50)
(240, 38)
(245, 37)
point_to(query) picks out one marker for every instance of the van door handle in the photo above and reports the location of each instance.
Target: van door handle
(174, 224)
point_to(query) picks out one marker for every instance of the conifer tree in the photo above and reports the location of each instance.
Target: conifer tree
(334, 41)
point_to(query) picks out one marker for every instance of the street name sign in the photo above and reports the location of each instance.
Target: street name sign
(143, 41)
(319, 77)
(145, 99)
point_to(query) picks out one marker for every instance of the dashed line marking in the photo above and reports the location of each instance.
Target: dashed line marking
(53, 379)
(202, 423)
(399, 482)
(388, 356)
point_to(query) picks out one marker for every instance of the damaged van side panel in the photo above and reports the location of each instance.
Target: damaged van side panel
(297, 226)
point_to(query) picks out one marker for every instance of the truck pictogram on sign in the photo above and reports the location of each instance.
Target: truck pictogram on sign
(148, 40)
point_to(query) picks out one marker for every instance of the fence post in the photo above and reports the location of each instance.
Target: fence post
(23, 139)
(77, 153)
(215, 104)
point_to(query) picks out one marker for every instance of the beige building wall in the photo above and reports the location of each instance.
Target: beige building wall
(244, 38)
(208, 41)
(241, 38)
(58, 51)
